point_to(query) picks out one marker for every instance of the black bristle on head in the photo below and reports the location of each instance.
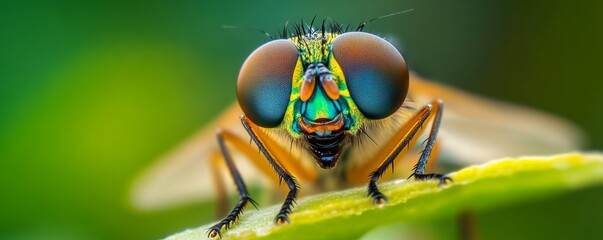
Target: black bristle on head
(299, 31)
(322, 27)
(312, 25)
(302, 29)
(285, 31)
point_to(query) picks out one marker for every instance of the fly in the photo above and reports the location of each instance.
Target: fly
(322, 87)
(346, 100)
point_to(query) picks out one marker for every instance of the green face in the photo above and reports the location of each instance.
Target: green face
(322, 82)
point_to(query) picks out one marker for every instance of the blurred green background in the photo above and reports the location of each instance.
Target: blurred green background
(92, 92)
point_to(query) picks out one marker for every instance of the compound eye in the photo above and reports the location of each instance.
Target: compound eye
(375, 73)
(264, 83)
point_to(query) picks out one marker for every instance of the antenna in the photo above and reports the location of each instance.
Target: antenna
(362, 25)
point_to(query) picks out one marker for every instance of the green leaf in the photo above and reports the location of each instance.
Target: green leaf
(424, 208)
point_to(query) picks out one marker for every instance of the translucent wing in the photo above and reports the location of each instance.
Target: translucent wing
(476, 129)
(183, 175)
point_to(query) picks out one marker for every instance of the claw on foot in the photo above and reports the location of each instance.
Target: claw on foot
(379, 200)
(442, 178)
(281, 219)
(213, 233)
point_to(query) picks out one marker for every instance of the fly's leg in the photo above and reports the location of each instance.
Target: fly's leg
(272, 152)
(419, 169)
(286, 208)
(244, 197)
(430, 111)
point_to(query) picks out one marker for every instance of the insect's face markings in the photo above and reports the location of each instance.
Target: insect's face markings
(321, 110)
(320, 102)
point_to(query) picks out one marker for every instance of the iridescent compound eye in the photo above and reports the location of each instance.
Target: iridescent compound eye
(264, 83)
(375, 73)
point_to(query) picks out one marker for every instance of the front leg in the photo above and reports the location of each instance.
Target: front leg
(419, 169)
(409, 131)
(244, 197)
(282, 216)
(278, 160)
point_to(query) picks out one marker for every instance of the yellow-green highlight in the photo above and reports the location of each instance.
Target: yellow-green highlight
(350, 213)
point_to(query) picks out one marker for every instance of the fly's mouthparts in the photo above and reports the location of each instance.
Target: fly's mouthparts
(321, 126)
(325, 139)
(326, 149)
